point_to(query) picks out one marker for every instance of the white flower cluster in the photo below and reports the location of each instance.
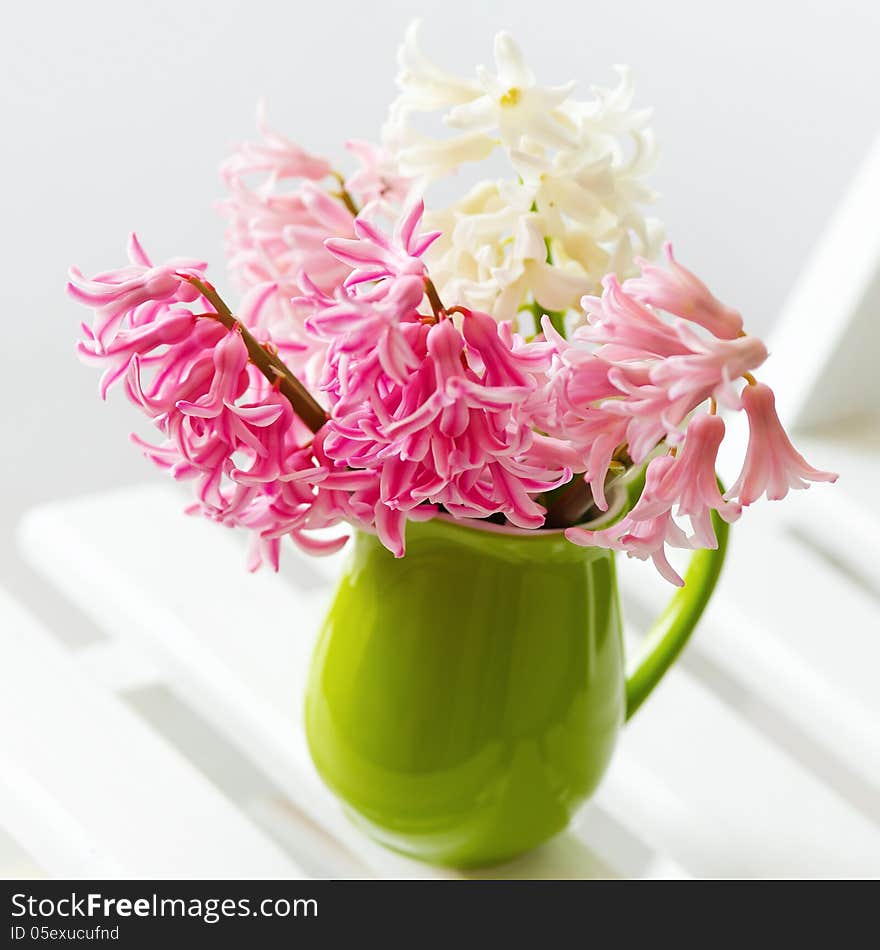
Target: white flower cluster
(571, 211)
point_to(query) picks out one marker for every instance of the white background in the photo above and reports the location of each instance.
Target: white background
(115, 115)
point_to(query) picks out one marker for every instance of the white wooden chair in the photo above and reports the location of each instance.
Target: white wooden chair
(759, 755)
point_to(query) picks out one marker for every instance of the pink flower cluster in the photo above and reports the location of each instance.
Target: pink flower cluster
(429, 409)
(632, 378)
(225, 426)
(279, 215)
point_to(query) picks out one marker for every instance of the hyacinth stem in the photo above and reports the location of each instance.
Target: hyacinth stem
(568, 505)
(434, 298)
(557, 317)
(344, 195)
(268, 363)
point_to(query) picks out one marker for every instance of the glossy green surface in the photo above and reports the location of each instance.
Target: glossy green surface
(672, 629)
(465, 700)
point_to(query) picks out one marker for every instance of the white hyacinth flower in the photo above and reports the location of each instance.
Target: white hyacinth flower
(553, 286)
(513, 104)
(572, 209)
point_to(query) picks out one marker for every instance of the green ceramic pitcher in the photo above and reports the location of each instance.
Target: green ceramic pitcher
(465, 700)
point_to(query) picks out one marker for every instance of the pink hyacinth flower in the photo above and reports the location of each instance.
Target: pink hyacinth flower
(647, 530)
(449, 432)
(772, 464)
(501, 361)
(679, 291)
(368, 323)
(690, 482)
(225, 426)
(625, 328)
(275, 156)
(648, 538)
(710, 368)
(660, 370)
(119, 352)
(377, 180)
(374, 255)
(658, 396)
(566, 406)
(278, 219)
(115, 294)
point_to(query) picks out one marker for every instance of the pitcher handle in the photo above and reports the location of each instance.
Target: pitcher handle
(669, 634)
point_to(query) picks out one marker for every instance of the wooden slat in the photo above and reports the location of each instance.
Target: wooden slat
(91, 791)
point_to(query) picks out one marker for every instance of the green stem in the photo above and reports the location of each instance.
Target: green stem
(557, 317)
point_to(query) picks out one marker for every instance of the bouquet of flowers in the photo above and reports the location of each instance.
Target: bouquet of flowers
(515, 356)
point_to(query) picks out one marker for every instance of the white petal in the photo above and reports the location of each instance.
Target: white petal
(528, 242)
(434, 159)
(554, 288)
(417, 72)
(478, 115)
(510, 63)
